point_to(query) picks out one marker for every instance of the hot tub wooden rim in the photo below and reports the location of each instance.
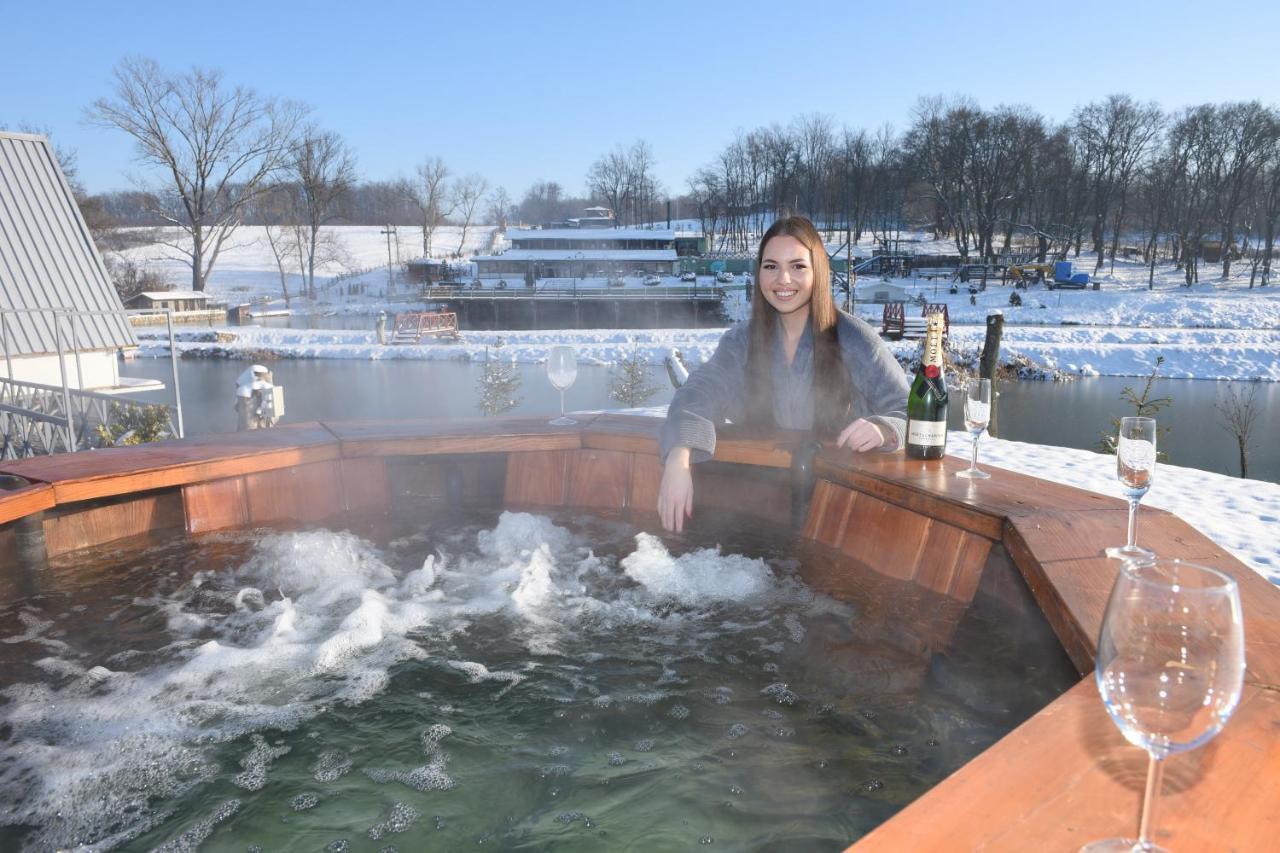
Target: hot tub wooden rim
(1040, 782)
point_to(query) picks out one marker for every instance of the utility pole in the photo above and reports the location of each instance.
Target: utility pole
(390, 230)
(848, 265)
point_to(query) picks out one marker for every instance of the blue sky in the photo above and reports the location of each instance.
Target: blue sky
(537, 90)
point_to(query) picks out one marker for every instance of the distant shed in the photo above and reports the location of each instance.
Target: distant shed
(48, 260)
(174, 300)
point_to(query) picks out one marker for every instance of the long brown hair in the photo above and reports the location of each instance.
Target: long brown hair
(832, 396)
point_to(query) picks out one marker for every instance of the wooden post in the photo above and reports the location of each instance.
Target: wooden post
(990, 360)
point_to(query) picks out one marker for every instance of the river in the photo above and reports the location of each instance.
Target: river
(1069, 414)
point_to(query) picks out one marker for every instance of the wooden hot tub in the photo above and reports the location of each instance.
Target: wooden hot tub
(1063, 778)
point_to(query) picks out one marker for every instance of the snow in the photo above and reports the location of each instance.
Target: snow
(1239, 515)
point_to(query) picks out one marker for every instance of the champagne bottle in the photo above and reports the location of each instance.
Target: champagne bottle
(927, 402)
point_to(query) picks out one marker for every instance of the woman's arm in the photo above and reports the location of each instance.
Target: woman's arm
(675, 495)
(880, 389)
(713, 394)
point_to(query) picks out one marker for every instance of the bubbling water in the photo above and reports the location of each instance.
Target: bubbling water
(321, 673)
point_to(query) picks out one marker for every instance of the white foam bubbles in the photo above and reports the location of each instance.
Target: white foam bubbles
(698, 578)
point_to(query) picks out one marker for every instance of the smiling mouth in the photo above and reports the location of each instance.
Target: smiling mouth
(784, 294)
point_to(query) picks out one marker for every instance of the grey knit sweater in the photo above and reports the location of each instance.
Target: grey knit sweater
(716, 391)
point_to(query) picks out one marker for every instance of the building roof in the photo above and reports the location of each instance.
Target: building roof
(581, 254)
(589, 234)
(155, 295)
(47, 257)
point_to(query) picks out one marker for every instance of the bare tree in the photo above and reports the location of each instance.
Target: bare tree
(644, 187)
(276, 210)
(217, 148)
(467, 193)
(322, 171)
(499, 208)
(609, 181)
(429, 195)
(1237, 412)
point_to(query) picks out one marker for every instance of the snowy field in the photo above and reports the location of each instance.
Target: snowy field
(1215, 330)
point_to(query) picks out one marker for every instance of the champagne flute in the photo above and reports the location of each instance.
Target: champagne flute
(562, 370)
(977, 414)
(1135, 467)
(1170, 666)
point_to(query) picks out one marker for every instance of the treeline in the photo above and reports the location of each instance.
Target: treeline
(1118, 177)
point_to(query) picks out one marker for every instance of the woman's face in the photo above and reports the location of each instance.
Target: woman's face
(786, 274)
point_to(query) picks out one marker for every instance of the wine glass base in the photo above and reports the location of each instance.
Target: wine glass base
(1124, 552)
(1121, 845)
(973, 474)
(562, 421)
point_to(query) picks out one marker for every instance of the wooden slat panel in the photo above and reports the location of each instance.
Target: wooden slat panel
(87, 526)
(121, 470)
(1067, 777)
(1060, 557)
(364, 484)
(887, 538)
(598, 478)
(629, 433)
(646, 478)
(536, 479)
(470, 435)
(637, 434)
(215, 505)
(305, 493)
(718, 488)
(24, 501)
(838, 502)
(951, 561)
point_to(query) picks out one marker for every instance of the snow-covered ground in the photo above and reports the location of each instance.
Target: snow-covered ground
(1240, 515)
(1215, 330)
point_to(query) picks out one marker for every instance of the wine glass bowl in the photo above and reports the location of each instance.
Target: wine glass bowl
(562, 370)
(1170, 665)
(1135, 469)
(977, 416)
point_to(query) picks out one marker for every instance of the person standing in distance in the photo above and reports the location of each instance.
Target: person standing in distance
(799, 363)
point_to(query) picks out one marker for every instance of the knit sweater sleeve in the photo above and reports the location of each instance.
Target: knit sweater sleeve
(880, 385)
(714, 393)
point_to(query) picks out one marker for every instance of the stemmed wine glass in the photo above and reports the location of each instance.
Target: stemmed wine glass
(1135, 467)
(1170, 666)
(562, 369)
(977, 414)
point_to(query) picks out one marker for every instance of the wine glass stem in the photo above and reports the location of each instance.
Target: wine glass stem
(973, 463)
(562, 415)
(1133, 521)
(1155, 771)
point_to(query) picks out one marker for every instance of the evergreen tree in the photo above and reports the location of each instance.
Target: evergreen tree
(498, 383)
(630, 383)
(1144, 406)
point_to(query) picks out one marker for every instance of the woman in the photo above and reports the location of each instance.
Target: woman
(798, 364)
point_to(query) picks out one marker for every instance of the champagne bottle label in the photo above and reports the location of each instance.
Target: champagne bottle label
(927, 433)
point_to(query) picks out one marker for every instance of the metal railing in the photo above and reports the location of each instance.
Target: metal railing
(39, 419)
(567, 292)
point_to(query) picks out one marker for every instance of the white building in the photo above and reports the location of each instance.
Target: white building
(55, 294)
(582, 253)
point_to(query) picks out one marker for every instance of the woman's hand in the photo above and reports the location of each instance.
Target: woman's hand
(675, 495)
(861, 435)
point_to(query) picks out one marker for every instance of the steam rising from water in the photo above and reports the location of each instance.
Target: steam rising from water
(308, 620)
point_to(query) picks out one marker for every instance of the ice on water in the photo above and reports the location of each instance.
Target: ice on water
(309, 619)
